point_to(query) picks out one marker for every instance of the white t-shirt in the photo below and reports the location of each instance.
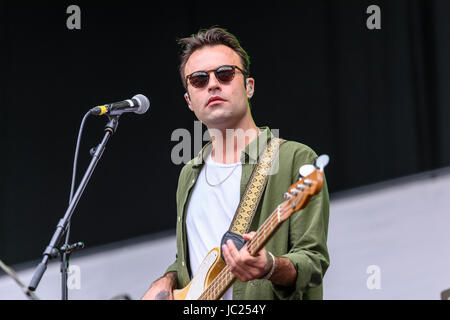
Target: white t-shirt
(211, 209)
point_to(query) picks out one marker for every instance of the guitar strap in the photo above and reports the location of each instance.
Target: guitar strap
(252, 194)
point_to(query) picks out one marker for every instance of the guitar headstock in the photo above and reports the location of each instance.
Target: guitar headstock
(299, 193)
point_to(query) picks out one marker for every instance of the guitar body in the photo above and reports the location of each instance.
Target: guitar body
(210, 267)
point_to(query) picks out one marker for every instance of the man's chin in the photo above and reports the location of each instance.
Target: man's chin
(218, 121)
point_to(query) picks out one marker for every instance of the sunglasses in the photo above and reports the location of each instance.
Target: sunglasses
(225, 74)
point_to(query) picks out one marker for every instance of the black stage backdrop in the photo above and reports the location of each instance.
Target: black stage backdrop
(376, 101)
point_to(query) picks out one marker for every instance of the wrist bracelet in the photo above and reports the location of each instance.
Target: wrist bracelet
(267, 276)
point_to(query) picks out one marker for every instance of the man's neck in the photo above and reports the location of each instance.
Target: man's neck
(228, 143)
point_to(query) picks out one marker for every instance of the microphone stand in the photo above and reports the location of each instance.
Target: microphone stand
(52, 250)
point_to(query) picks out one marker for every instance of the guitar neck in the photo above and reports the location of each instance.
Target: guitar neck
(297, 198)
(225, 278)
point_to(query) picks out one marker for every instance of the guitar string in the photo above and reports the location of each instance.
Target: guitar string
(224, 274)
(271, 223)
(217, 284)
(274, 217)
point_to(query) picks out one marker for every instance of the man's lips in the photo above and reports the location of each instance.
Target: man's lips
(215, 100)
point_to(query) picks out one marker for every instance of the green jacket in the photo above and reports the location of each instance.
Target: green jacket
(302, 238)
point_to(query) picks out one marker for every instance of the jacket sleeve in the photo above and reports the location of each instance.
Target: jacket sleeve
(308, 230)
(174, 268)
(176, 265)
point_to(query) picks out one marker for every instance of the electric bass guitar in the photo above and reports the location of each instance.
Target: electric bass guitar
(214, 277)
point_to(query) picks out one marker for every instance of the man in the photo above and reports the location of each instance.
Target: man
(215, 72)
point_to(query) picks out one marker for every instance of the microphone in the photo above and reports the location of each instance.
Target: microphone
(138, 104)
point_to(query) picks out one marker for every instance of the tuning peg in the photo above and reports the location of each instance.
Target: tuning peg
(322, 161)
(306, 170)
(287, 196)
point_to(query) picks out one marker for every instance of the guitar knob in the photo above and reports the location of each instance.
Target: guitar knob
(306, 170)
(322, 161)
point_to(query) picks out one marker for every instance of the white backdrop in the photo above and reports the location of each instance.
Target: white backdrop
(402, 230)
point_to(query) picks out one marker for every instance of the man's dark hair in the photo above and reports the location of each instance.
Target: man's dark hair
(210, 37)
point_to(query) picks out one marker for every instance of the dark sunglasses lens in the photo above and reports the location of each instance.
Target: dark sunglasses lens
(225, 74)
(199, 80)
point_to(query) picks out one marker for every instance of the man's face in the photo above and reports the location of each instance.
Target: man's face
(218, 105)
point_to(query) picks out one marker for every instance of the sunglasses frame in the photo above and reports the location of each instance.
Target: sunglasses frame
(208, 72)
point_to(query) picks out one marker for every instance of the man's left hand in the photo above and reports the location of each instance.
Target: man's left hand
(242, 264)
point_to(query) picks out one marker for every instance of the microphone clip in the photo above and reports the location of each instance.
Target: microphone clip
(66, 249)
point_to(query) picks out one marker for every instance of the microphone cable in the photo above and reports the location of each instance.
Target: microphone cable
(72, 188)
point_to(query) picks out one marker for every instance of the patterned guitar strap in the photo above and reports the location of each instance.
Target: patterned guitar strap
(252, 195)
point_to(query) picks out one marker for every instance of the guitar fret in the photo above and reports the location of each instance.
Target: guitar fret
(225, 276)
(262, 231)
(215, 287)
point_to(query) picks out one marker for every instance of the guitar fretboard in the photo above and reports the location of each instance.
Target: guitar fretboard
(297, 198)
(225, 278)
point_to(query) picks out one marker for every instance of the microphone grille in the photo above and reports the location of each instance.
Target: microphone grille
(144, 103)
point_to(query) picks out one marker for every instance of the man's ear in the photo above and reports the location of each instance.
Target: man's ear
(250, 84)
(188, 100)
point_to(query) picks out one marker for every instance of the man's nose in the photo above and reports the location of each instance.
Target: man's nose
(213, 83)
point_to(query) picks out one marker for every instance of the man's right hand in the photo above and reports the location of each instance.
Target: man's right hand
(162, 288)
